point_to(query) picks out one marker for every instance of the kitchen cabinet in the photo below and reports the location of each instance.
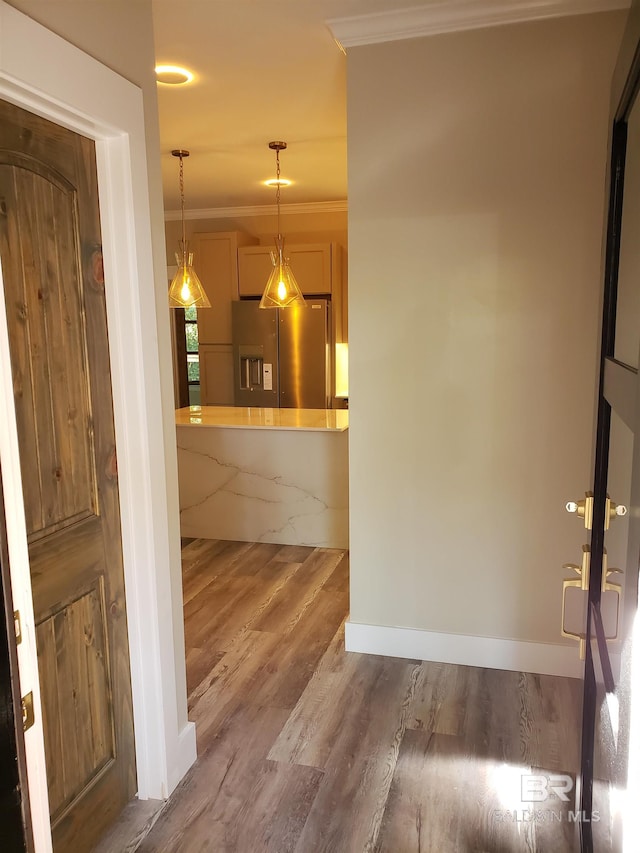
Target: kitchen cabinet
(216, 262)
(316, 266)
(216, 374)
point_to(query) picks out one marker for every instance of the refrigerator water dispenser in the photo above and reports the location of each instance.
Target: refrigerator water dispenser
(251, 368)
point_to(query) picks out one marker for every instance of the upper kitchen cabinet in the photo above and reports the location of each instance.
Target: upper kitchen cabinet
(317, 268)
(216, 262)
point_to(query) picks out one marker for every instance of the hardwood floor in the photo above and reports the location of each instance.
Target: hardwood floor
(306, 748)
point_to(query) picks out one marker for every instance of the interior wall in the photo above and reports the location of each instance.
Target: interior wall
(119, 34)
(476, 201)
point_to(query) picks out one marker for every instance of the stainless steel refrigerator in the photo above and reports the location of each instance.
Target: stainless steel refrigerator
(282, 357)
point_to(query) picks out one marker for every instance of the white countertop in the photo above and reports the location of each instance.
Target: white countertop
(245, 417)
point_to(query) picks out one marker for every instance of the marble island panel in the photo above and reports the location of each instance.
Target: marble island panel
(255, 417)
(245, 480)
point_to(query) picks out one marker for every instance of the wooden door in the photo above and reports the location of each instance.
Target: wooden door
(53, 278)
(607, 727)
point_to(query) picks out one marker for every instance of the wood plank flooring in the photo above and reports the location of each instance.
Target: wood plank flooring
(304, 748)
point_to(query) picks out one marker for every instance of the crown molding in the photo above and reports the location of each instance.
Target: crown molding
(258, 210)
(450, 16)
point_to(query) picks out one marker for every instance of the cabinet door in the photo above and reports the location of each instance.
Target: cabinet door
(216, 262)
(311, 265)
(216, 374)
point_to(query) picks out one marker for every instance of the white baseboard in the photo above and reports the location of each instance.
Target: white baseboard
(490, 652)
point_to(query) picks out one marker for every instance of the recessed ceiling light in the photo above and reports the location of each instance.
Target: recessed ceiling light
(173, 75)
(274, 182)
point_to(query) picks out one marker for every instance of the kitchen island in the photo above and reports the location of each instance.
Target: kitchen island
(264, 475)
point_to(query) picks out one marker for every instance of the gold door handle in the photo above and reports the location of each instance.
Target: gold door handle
(581, 583)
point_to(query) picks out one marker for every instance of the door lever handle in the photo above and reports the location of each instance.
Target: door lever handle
(581, 583)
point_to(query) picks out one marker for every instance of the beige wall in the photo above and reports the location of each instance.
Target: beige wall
(476, 197)
(119, 33)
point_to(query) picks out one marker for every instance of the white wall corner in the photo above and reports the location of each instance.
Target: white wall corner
(450, 16)
(465, 650)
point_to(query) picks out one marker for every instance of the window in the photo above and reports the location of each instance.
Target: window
(193, 358)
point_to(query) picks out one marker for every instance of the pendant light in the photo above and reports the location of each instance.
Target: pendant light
(186, 290)
(282, 289)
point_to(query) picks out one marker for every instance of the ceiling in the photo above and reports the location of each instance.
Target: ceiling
(271, 70)
(264, 71)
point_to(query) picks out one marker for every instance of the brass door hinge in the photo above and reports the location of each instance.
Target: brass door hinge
(18, 626)
(27, 711)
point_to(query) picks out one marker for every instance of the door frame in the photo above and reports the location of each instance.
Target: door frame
(19, 818)
(46, 75)
(623, 89)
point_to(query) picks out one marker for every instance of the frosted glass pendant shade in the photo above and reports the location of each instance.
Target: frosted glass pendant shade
(282, 290)
(186, 289)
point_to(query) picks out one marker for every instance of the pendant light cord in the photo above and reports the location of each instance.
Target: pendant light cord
(278, 191)
(184, 233)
